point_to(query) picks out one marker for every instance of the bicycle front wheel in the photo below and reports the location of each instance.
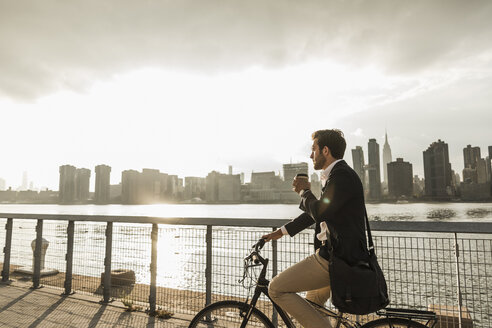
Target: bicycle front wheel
(393, 323)
(229, 314)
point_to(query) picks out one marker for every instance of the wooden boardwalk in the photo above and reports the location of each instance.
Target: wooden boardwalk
(21, 306)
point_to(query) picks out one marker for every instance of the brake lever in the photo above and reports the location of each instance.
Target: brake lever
(259, 245)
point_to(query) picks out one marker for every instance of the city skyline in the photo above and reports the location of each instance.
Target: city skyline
(440, 182)
(193, 87)
(115, 177)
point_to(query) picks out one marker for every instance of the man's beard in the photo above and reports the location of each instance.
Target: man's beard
(319, 162)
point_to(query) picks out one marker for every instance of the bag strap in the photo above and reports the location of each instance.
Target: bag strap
(369, 234)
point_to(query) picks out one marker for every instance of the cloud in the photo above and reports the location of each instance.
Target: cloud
(50, 45)
(451, 113)
(358, 133)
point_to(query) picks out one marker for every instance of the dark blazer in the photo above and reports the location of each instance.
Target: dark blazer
(342, 207)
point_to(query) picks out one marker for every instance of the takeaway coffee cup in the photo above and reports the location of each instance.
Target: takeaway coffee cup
(301, 176)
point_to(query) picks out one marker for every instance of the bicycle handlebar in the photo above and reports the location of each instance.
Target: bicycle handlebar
(255, 256)
(259, 245)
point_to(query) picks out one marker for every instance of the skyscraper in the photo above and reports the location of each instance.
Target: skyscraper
(195, 187)
(482, 171)
(400, 181)
(66, 193)
(212, 187)
(489, 164)
(149, 186)
(476, 182)
(470, 175)
(471, 156)
(129, 187)
(103, 173)
(386, 157)
(437, 171)
(358, 161)
(82, 183)
(264, 180)
(374, 171)
(418, 186)
(223, 187)
(472, 160)
(229, 188)
(170, 187)
(265, 186)
(24, 181)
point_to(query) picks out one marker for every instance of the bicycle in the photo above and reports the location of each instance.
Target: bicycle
(231, 313)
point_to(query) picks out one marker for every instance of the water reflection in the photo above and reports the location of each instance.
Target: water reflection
(411, 211)
(479, 213)
(174, 257)
(399, 218)
(440, 214)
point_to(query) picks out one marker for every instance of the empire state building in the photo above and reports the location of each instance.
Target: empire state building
(386, 158)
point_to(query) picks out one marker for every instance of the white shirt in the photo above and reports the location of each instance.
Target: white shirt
(325, 175)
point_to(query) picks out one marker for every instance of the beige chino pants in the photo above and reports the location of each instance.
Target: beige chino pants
(311, 275)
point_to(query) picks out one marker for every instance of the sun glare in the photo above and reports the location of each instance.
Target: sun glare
(151, 117)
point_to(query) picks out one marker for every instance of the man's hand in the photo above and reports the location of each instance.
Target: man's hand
(301, 183)
(277, 234)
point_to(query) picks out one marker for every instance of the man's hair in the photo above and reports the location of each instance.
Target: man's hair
(333, 139)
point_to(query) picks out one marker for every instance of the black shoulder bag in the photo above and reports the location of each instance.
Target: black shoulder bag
(361, 288)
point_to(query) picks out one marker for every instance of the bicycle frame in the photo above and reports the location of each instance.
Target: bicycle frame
(407, 315)
(262, 288)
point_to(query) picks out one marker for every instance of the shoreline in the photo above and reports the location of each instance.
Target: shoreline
(258, 203)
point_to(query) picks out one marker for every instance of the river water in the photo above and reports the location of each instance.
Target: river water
(387, 212)
(131, 242)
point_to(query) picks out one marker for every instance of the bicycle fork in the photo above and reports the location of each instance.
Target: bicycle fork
(251, 306)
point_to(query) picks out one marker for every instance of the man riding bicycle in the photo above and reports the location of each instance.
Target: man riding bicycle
(339, 229)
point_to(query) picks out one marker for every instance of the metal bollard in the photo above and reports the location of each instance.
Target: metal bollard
(42, 254)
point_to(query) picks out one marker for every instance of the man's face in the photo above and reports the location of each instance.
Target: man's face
(317, 156)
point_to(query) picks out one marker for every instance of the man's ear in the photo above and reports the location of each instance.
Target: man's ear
(326, 151)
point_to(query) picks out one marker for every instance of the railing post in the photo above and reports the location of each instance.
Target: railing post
(69, 258)
(37, 255)
(208, 267)
(458, 284)
(7, 250)
(107, 263)
(274, 273)
(153, 269)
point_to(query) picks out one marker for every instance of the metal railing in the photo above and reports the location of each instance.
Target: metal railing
(181, 264)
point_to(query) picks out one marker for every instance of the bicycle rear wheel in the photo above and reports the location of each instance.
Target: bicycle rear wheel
(393, 323)
(229, 314)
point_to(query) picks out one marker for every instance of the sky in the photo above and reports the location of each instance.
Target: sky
(188, 87)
